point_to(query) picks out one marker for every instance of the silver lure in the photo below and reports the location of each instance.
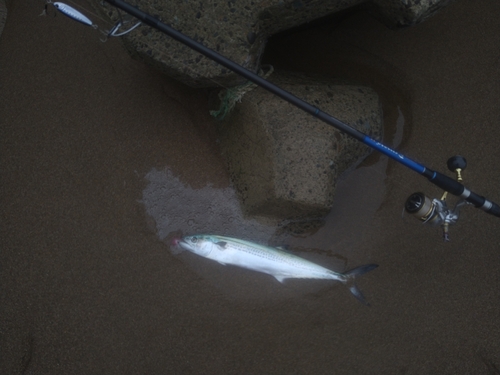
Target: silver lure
(73, 13)
(275, 262)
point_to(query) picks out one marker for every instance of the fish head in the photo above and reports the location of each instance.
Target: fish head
(199, 244)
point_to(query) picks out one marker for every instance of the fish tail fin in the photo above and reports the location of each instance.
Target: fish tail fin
(350, 280)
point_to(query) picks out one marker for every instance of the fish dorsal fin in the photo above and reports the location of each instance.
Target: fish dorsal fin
(222, 245)
(284, 248)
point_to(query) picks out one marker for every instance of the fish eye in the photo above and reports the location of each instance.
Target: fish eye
(194, 240)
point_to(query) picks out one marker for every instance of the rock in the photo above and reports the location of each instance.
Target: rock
(400, 13)
(284, 162)
(239, 30)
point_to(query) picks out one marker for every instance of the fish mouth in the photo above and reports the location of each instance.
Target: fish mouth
(180, 243)
(176, 241)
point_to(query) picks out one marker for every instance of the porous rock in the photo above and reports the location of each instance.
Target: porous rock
(284, 162)
(239, 29)
(401, 13)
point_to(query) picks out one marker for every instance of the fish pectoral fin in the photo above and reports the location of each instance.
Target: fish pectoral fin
(222, 245)
(279, 278)
(221, 263)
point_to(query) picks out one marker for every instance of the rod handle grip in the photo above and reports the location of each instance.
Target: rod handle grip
(456, 188)
(494, 210)
(447, 183)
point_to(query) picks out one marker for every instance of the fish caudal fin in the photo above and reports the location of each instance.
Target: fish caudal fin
(350, 280)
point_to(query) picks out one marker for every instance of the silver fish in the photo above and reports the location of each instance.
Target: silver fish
(273, 261)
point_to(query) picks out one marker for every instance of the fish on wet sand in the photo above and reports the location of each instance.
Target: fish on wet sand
(273, 261)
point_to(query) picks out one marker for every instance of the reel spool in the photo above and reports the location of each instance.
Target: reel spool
(436, 211)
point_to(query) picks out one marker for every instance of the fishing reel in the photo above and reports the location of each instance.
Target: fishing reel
(436, 211)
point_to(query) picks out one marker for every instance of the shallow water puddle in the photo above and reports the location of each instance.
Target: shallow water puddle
(178, 209)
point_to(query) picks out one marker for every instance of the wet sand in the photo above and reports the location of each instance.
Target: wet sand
(88, 287)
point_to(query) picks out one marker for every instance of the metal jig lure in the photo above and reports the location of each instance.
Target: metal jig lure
(74, 14)
(70, 12)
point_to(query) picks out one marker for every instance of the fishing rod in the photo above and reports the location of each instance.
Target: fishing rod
(433, 211)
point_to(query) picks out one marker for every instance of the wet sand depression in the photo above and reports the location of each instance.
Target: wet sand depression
(87, 286)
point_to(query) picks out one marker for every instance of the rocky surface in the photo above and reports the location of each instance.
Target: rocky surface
(239, 30)
(285, 163)
(403, 13)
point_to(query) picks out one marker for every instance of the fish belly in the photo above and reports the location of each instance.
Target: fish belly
(274, 263)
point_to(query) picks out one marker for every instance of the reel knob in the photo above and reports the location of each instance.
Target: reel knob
(456, 162)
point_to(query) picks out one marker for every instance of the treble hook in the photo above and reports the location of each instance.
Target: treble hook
(114, 30)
